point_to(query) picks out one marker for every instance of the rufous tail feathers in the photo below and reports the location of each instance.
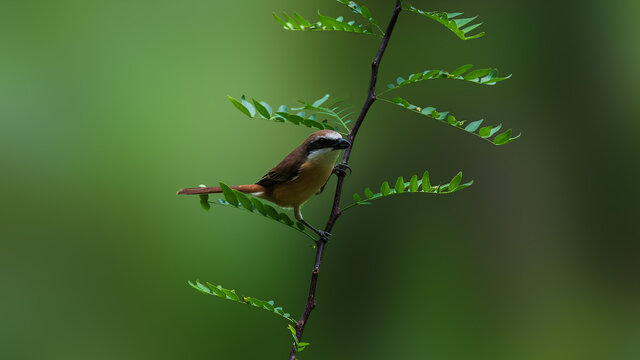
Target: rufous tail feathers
(247, 189)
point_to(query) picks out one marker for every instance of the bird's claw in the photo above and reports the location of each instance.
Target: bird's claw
(324, 235)
(341, 169)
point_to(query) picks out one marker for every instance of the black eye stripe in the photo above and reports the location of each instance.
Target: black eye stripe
(320, 143)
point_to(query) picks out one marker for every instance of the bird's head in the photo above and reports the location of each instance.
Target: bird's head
(324, 141)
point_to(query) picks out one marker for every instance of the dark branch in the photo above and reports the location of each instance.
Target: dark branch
(335, 210)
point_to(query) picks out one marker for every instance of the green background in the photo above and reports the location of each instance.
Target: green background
(108, 107)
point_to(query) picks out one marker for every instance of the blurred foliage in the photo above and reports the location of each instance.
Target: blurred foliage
(108, 107)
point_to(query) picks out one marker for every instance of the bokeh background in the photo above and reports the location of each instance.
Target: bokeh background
(108, 107)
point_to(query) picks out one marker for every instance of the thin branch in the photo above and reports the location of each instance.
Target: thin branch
(335, 210)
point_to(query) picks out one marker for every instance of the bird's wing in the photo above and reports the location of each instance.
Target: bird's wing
(288, 169)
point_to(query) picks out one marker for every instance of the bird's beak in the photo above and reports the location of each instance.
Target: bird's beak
(341, 144)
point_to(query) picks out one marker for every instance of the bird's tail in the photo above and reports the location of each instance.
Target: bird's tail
(247, 189)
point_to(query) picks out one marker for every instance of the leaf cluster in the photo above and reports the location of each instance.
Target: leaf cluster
(219, 291)
(473, 127)
(460, 27)
(479, 76)
(236, 199)
(324, 23)
(298, 345)
(414, 185)
(362, 11)
(334, 111)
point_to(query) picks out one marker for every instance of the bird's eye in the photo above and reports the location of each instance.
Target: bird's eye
(321, 143)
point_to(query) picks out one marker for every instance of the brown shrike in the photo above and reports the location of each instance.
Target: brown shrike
(301, 174)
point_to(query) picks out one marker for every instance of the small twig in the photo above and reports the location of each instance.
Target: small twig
(335, 210)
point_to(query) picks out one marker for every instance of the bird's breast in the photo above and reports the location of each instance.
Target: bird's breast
(314, 173)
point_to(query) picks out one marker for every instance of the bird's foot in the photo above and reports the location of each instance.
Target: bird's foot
(341, 169)
(324, 235)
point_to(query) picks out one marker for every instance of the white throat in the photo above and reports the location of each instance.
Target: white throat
(323, 155)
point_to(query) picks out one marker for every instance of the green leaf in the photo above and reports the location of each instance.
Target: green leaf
(229, 195)
(515, 137)
(259, 206)
(461, 70)
(503, 138)
(413, 183)
(463, 22)
(446, 19)
(477, 74)
(471, 27)
(431, 74)
(426, 183)
(494, 80)
(219, 291)
(229, 294)
(320, 101)
(485, 132)
(294, 119)
(293, 24)
(262, 110)
(462, 186)
(311, 123)
(495, 130)
(285, 219)
(271, 212)
(399, 185)
(428, 110)
(453, 184)
(474, 125)
(293, 333)
(385, 189)
(216, 290)
(356, 197)
(304, 22)
(368, 193)
(248, 106)
(284, 24)
(244, 200)
(240, 106)
(283, 109)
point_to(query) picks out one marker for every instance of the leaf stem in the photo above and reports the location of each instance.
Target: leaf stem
(335, 210)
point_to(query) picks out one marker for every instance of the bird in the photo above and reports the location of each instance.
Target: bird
(300, 175)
